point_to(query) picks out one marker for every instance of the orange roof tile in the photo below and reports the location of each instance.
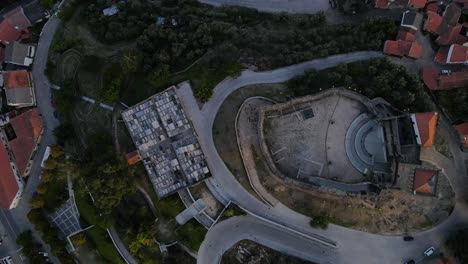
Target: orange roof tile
(8, 33)
(433, 22)
(453, 80)
(16, 79)
(430, 78)
(415, 51)
(441, 56)
(448, 34)
(417, 3)
(426, 124)
(462, 129)
(405, 35)
(28, 128)
(397, 48)
(432, 7)
(133, 157)
(424, 181)
(18, 19)
(8, 184)
(457, 54)
(382, 3)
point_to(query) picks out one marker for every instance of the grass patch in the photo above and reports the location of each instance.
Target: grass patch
(441, 145)
(191, 234)
(232, 210)
(97, 235)
(101, 241)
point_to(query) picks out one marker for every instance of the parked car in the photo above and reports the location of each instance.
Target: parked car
(445, 72)
(408, 238)
(428, 252)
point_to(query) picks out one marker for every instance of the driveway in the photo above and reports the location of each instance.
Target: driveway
(371, 248)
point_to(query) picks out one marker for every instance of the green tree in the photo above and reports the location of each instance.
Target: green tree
(79, 239)
(50, 164)
(47, 4)
(320, 221)
(37, 202)
(130, 61)
(64, 133)
(56, 151)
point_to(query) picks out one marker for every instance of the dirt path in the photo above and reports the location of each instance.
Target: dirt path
(246, 132)
(148, 199)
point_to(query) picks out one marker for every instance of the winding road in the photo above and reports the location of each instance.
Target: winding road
(360, 247)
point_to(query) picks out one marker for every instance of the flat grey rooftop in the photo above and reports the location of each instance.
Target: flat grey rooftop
(166, 143)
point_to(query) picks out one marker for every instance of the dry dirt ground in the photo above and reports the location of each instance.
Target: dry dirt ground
(315, 146)
(247, 251)
(224, 134)
(213, 206)
(391, 212)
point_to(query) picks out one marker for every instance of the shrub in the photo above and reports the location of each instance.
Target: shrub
(320, 221)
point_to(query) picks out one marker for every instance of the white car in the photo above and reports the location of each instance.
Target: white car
(428, 252)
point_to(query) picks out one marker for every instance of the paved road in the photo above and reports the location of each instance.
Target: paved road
(120, 246)
(276, 6)
(371, 248)
(248, 227)
(16, 220)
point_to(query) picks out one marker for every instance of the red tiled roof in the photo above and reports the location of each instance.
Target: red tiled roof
(28, 128)
(441, 56)
(417, 3)
(415, 51)
(18, 19)
(132, 157)
(430, 78)
(433, 22)
(453, 80)
(452, 14)
(463, 131)
(405, 35)
(382, 3)
(16, 79)
(8, 33)
(397, 48)
(426, 123)
(457, 54)
(8, 184)
(401, 48)
(424, 181)
(435, 81)
(432, 7)
(448, 34)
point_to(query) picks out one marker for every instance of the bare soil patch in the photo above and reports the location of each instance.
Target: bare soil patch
(247, 251)
(213, 206)
(224, 134)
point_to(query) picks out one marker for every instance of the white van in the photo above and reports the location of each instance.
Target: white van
(428, 252)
